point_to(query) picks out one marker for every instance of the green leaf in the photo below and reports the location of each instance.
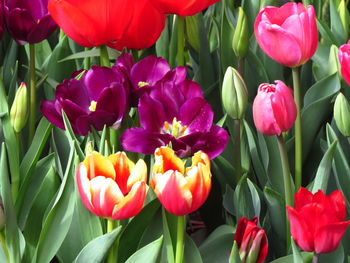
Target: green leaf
(149, 252)
(95, 52)
(297, 258)
(307, 257)
(336, 24)
(70, 134)
(335, 256)
(324, 169)
(60, 215)
(234, 257)
(168, 231)
(97, 249)
(132, 233)
(11, 229)
(191, 253)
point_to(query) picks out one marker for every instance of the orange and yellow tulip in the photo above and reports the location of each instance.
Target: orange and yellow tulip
(112, 187)
(181, 190)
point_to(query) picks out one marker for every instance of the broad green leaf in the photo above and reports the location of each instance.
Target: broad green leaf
(149, 252)
(324, 169)
(169, 234)
(97, 249)
(11, 229)
(60, 215)
(191, 253)
(336, 23)
(297, 258)
(70, 134)
(307, 258)
(335, 256)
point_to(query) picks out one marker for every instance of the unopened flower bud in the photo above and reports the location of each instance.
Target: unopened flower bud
(342, 114)
(19, 109)
(240, 41)
(192, 31)
(344, 16)
(234, 94)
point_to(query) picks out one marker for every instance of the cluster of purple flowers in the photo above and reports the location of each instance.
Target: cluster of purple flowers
(171, 108)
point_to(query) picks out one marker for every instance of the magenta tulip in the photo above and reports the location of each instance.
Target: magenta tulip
(274, 109)
(287, 34)
(344, 59)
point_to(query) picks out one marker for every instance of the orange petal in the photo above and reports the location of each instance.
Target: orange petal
(123, 167)
(131, 204)
(166, 160)
(139, 173)
(105, 195)
(98, 165)
(172, 191)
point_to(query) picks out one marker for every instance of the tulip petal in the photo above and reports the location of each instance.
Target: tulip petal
(327, 238)
(172, 191)
(302, 198)
(83, 184)
(48, 109)
(138, 173)
(132, 203)
(151, 111)
(191, 89)
(98, 165)
(338, 204)
(165, 160)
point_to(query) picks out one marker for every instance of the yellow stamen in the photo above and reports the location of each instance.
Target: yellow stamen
(142, 84)
(93, 106)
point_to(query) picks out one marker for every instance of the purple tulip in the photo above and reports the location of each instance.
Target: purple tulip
(1, 21)
(28, 21)
(146, 73)
(99, 98)
(177, 114)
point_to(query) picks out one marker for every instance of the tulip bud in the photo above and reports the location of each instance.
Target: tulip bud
(19, 109)
(342, 114)
(234, 94)
(344, 16)
(192, 31)
(240, 41)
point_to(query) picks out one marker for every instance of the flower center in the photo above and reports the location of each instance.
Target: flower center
(267, 88)
(175, 128)
(93, 106)
(142, 84)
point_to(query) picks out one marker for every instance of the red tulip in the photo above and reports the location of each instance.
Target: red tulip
(317, 221)
(180, 194)
(182, 7)
(274, 109)
(344, 59)
(287, 34)
(251, 241)
(118, 24)
(112, 187)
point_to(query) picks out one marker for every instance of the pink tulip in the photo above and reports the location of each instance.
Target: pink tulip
(287, 34)
(274, 109)
(344, 59)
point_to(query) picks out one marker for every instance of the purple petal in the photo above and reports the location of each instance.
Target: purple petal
(152, 113)
(143, 141)
(191, 89)
(19, 24)
(82, 125)
(197, 114)
(177, 75)
(42, 30)
(124, 63)
(72, 110)
(48, 109)
(99, 119)
(213, 142)
(149, 70)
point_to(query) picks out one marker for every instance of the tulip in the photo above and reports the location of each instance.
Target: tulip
(344, 59)
(118, 24)
(342, 114)
(1, 22)
(287, 34)
(19, 109)
(240, 41)
(317, 221)
(99, 98)
(182, 7)
(274, 109)
(181, 190)
(28, 21)
(175, 113)
(251, 241)
(112, 187)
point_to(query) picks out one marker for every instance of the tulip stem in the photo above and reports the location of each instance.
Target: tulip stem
(87, 60)
(180, 41)
(315, 258)
(180, 239)
(113, 252)
(237, 149)
(286, 180)
(104, 58)
(298, 129)
(32, 111)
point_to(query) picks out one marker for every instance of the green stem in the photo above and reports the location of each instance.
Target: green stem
(114, 139)
(298, 130)
(104, 58)
(87, 60)
(237, 149)
(113, 252)
(287, 181)
(180, 239)
(180, 41)
(315, 258)
(32, 111)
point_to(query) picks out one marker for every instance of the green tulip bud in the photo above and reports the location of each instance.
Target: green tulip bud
(240, 41)
(234, 94)
(342, 114)
(192, 31)
(19, 109)
(344, 16)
